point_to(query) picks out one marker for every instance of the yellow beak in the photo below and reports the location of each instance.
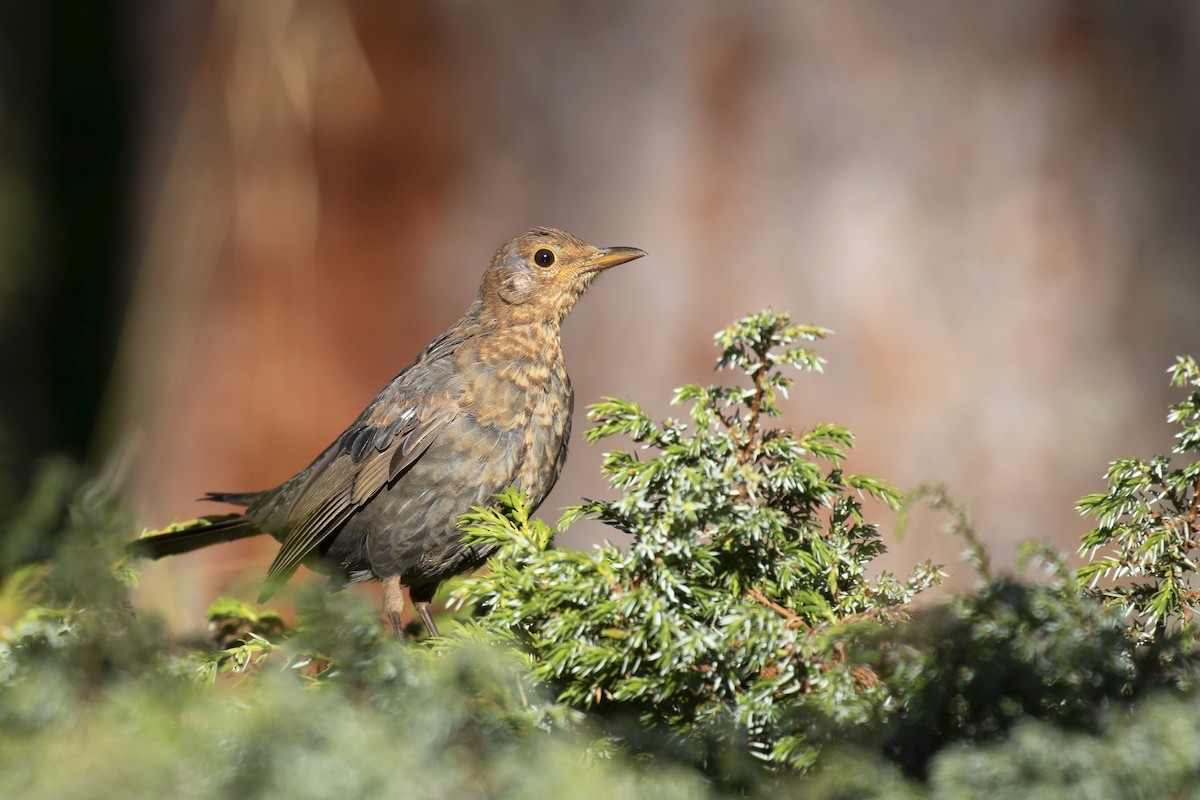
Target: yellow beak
(610, 257)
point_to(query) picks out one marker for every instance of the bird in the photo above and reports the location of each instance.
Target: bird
(485, 406)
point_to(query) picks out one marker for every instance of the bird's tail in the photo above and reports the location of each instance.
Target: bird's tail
(193, 535)
(233, 498)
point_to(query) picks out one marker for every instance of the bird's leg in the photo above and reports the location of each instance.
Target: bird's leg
(423, 609)
(421, 595)
(393, 603)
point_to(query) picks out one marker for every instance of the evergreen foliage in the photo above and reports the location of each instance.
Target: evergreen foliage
(1148, 525)
(735, 641)
(718, 622)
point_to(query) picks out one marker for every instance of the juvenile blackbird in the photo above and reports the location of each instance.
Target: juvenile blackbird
(486, 405)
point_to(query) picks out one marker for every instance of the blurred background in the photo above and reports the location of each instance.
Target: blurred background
(224, 226)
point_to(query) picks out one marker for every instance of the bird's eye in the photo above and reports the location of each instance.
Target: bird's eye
(543, 257)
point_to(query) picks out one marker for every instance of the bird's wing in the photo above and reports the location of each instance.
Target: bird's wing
(387, 439)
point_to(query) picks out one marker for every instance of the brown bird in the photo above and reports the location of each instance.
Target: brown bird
(485, 406)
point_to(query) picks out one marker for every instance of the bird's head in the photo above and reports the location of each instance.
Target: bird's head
(539, 275)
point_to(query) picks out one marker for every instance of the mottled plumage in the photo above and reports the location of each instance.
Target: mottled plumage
(486, 405)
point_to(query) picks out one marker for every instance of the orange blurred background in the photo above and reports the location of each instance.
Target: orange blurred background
(995, 206)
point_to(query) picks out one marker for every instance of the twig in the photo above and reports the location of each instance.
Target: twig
(793, 619)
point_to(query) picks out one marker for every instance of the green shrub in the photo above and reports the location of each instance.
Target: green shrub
(734, 641)
(1147, 535)
(717, 627)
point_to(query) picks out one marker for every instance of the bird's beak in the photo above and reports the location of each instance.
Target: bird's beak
(610, 257)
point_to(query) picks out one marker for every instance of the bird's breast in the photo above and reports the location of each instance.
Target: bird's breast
(522, 396)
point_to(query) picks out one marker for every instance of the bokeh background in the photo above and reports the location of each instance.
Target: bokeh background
(225, 225)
